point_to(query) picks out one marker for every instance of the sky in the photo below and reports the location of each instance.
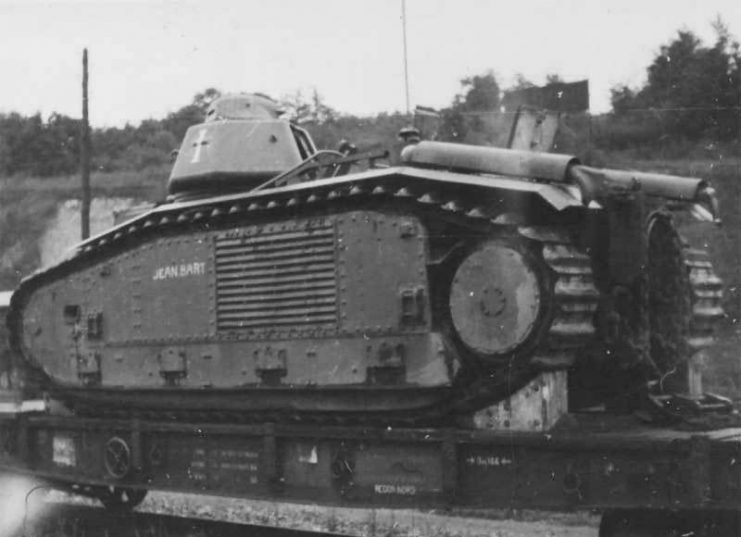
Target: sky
(149, 58)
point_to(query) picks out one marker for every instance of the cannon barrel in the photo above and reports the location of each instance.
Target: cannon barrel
(594, 183)
(597, 182)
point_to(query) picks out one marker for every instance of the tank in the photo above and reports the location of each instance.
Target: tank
(280, 283)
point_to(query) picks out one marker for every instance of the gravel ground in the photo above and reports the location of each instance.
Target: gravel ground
(375, 522)
(357, 521)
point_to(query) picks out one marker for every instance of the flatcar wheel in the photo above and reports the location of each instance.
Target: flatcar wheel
(121, 498)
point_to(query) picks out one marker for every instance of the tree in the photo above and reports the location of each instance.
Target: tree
(553, 78)
(62, 141)
(521, 83)
(203, 100)
(696, 89)
(460, 122)
(623, 99)
(296, 106)
(313, 110)
(481, 93)
(32, 146)
(178, 122)
(191, 114)
(322, 112)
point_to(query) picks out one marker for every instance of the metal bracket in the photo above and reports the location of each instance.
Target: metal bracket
(88, 368)
(173, 365)
(271, 365)
(412, 307)
(95, 326)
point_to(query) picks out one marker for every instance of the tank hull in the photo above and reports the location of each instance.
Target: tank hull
(327, 299)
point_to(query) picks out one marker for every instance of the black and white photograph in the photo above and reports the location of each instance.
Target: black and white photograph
(370, 268)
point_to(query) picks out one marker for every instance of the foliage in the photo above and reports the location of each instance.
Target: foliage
(692, 89)
(314, 110)
(367, 133)
(30, 145)
(521, 82)
(461, 121)
(481, 93)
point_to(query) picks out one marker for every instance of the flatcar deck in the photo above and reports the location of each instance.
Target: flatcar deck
(598, 463)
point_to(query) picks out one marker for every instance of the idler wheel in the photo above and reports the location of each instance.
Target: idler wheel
(495, 299)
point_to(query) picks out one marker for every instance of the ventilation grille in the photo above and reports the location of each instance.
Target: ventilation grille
(276, 278)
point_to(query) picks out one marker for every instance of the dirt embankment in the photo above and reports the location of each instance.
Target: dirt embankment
(63, 231)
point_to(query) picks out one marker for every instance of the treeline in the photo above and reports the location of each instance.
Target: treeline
(694, 90)
(32, 146)
(692, 93)
(690, 103)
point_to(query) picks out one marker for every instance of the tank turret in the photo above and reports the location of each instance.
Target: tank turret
(242, 143)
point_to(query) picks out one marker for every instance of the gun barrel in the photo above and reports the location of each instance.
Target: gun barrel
(603, 181)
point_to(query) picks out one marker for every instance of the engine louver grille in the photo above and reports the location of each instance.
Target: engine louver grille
(272, 278)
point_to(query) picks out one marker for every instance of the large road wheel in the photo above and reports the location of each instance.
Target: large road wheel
(496, 299)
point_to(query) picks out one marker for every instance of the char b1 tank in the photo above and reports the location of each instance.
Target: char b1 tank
(281, 282)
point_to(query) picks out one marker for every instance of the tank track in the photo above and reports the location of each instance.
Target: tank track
(689, 297)
(677, 401)
(575, 294)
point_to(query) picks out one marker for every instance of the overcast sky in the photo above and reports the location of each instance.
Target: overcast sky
(148, 58)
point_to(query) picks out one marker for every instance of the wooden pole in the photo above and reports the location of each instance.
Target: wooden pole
(85, 153)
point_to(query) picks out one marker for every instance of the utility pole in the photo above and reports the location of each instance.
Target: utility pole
(85, 153)
(406, 67)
